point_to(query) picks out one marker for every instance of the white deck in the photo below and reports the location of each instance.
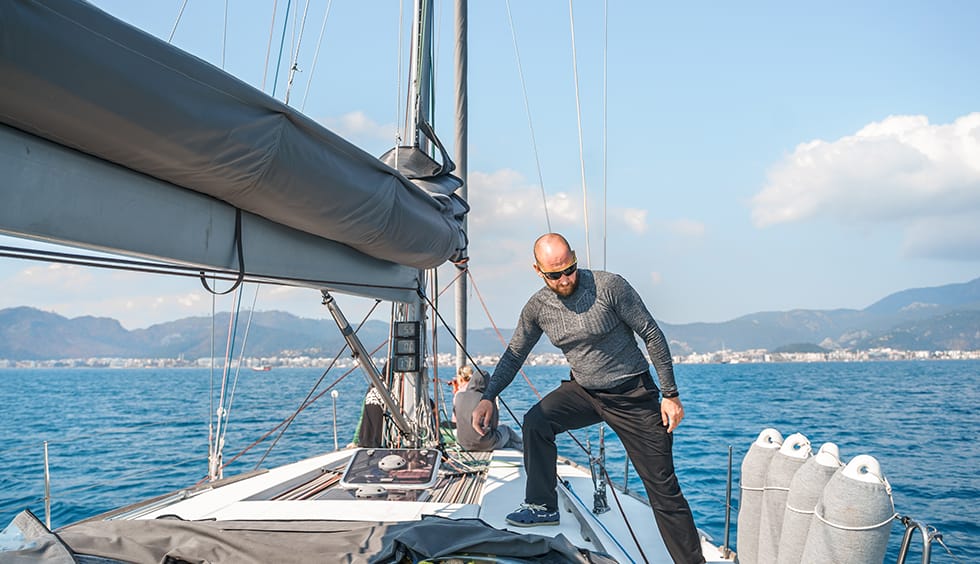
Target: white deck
(505, 490)
(502, 493)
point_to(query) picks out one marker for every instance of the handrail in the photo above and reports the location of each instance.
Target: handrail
(929, 534)
(725, 550)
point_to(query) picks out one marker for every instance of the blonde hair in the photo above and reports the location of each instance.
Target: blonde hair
(466, 372)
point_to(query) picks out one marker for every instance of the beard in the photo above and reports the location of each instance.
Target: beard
(565, 290)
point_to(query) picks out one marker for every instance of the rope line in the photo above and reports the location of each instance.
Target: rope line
(622, 512)
(241, 259)
(894, 517)
(23, 253)
(282, 42)
(212, 414)
(568, 486)
(180, 14)
(527, 109)
(218, 445)
(581, 148)
(605, 128)
(466, 352)
(294, 64)
(306, 402)
(316, 54)
(268, 46)
(496, 329)
(398, 78)
(939, 538)
(241, 359)
(288, 419)
(224, 36)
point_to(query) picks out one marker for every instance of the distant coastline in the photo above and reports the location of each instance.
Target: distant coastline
(446, 360)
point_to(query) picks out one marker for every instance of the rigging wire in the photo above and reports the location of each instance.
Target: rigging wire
(268, 47)
(289, 419)
(605, 127)
(294, 66)
(224, 36)
(581, 148)
(568, 487)
(173, 30)
(398, 78)
(316, 54)
(212, 414)
(434, 72)
(530, 124)
(218, 445)
(306, 401)
(440, 398)
(282, 42)
(622, 512)
(241, 360)
(435, 354)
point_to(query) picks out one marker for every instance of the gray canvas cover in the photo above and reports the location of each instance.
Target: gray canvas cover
(287, 542)
(74, 75)
(27, 541)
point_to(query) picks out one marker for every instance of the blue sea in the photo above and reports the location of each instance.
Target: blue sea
(116, 436)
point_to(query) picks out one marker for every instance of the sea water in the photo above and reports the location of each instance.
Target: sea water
(116, 436)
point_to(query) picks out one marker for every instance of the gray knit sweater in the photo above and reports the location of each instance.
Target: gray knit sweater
(595, 327)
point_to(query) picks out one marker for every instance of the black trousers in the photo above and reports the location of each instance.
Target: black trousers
(632, 410)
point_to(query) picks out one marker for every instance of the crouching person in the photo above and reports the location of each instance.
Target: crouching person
(497, 436)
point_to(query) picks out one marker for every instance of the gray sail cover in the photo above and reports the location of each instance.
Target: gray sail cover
(287, 542)
(74, 75)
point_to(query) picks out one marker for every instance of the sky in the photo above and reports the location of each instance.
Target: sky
(736, 157)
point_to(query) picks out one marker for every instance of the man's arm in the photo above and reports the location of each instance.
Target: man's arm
(525, 336)
(635, 314)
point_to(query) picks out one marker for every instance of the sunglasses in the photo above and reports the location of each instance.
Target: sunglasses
(557, 275)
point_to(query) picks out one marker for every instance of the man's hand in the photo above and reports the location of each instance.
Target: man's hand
(671, 412)
(482, 414)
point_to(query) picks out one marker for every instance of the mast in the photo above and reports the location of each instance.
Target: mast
(462, 122)
(413, 387)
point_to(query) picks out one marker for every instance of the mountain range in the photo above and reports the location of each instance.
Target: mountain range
(936, 318)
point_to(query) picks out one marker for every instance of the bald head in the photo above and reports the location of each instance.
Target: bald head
(554, 261)
(551, 247)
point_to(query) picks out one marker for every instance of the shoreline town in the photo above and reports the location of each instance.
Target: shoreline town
(300, 360)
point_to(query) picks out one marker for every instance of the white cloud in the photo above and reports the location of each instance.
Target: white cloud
(902, 171)
(505, 196)
(358, 128)
(189, 300)
(634, 219)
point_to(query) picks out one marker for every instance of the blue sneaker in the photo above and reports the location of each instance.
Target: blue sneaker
(533, 515)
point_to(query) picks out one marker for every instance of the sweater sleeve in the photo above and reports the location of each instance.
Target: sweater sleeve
(526, 335)
(634, 313)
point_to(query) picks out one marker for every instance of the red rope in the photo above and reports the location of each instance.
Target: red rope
(499, 334)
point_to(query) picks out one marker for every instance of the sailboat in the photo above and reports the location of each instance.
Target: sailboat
(114, 141)
(180, 165)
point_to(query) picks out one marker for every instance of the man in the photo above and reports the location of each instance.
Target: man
(496, 436)
(593, 318)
